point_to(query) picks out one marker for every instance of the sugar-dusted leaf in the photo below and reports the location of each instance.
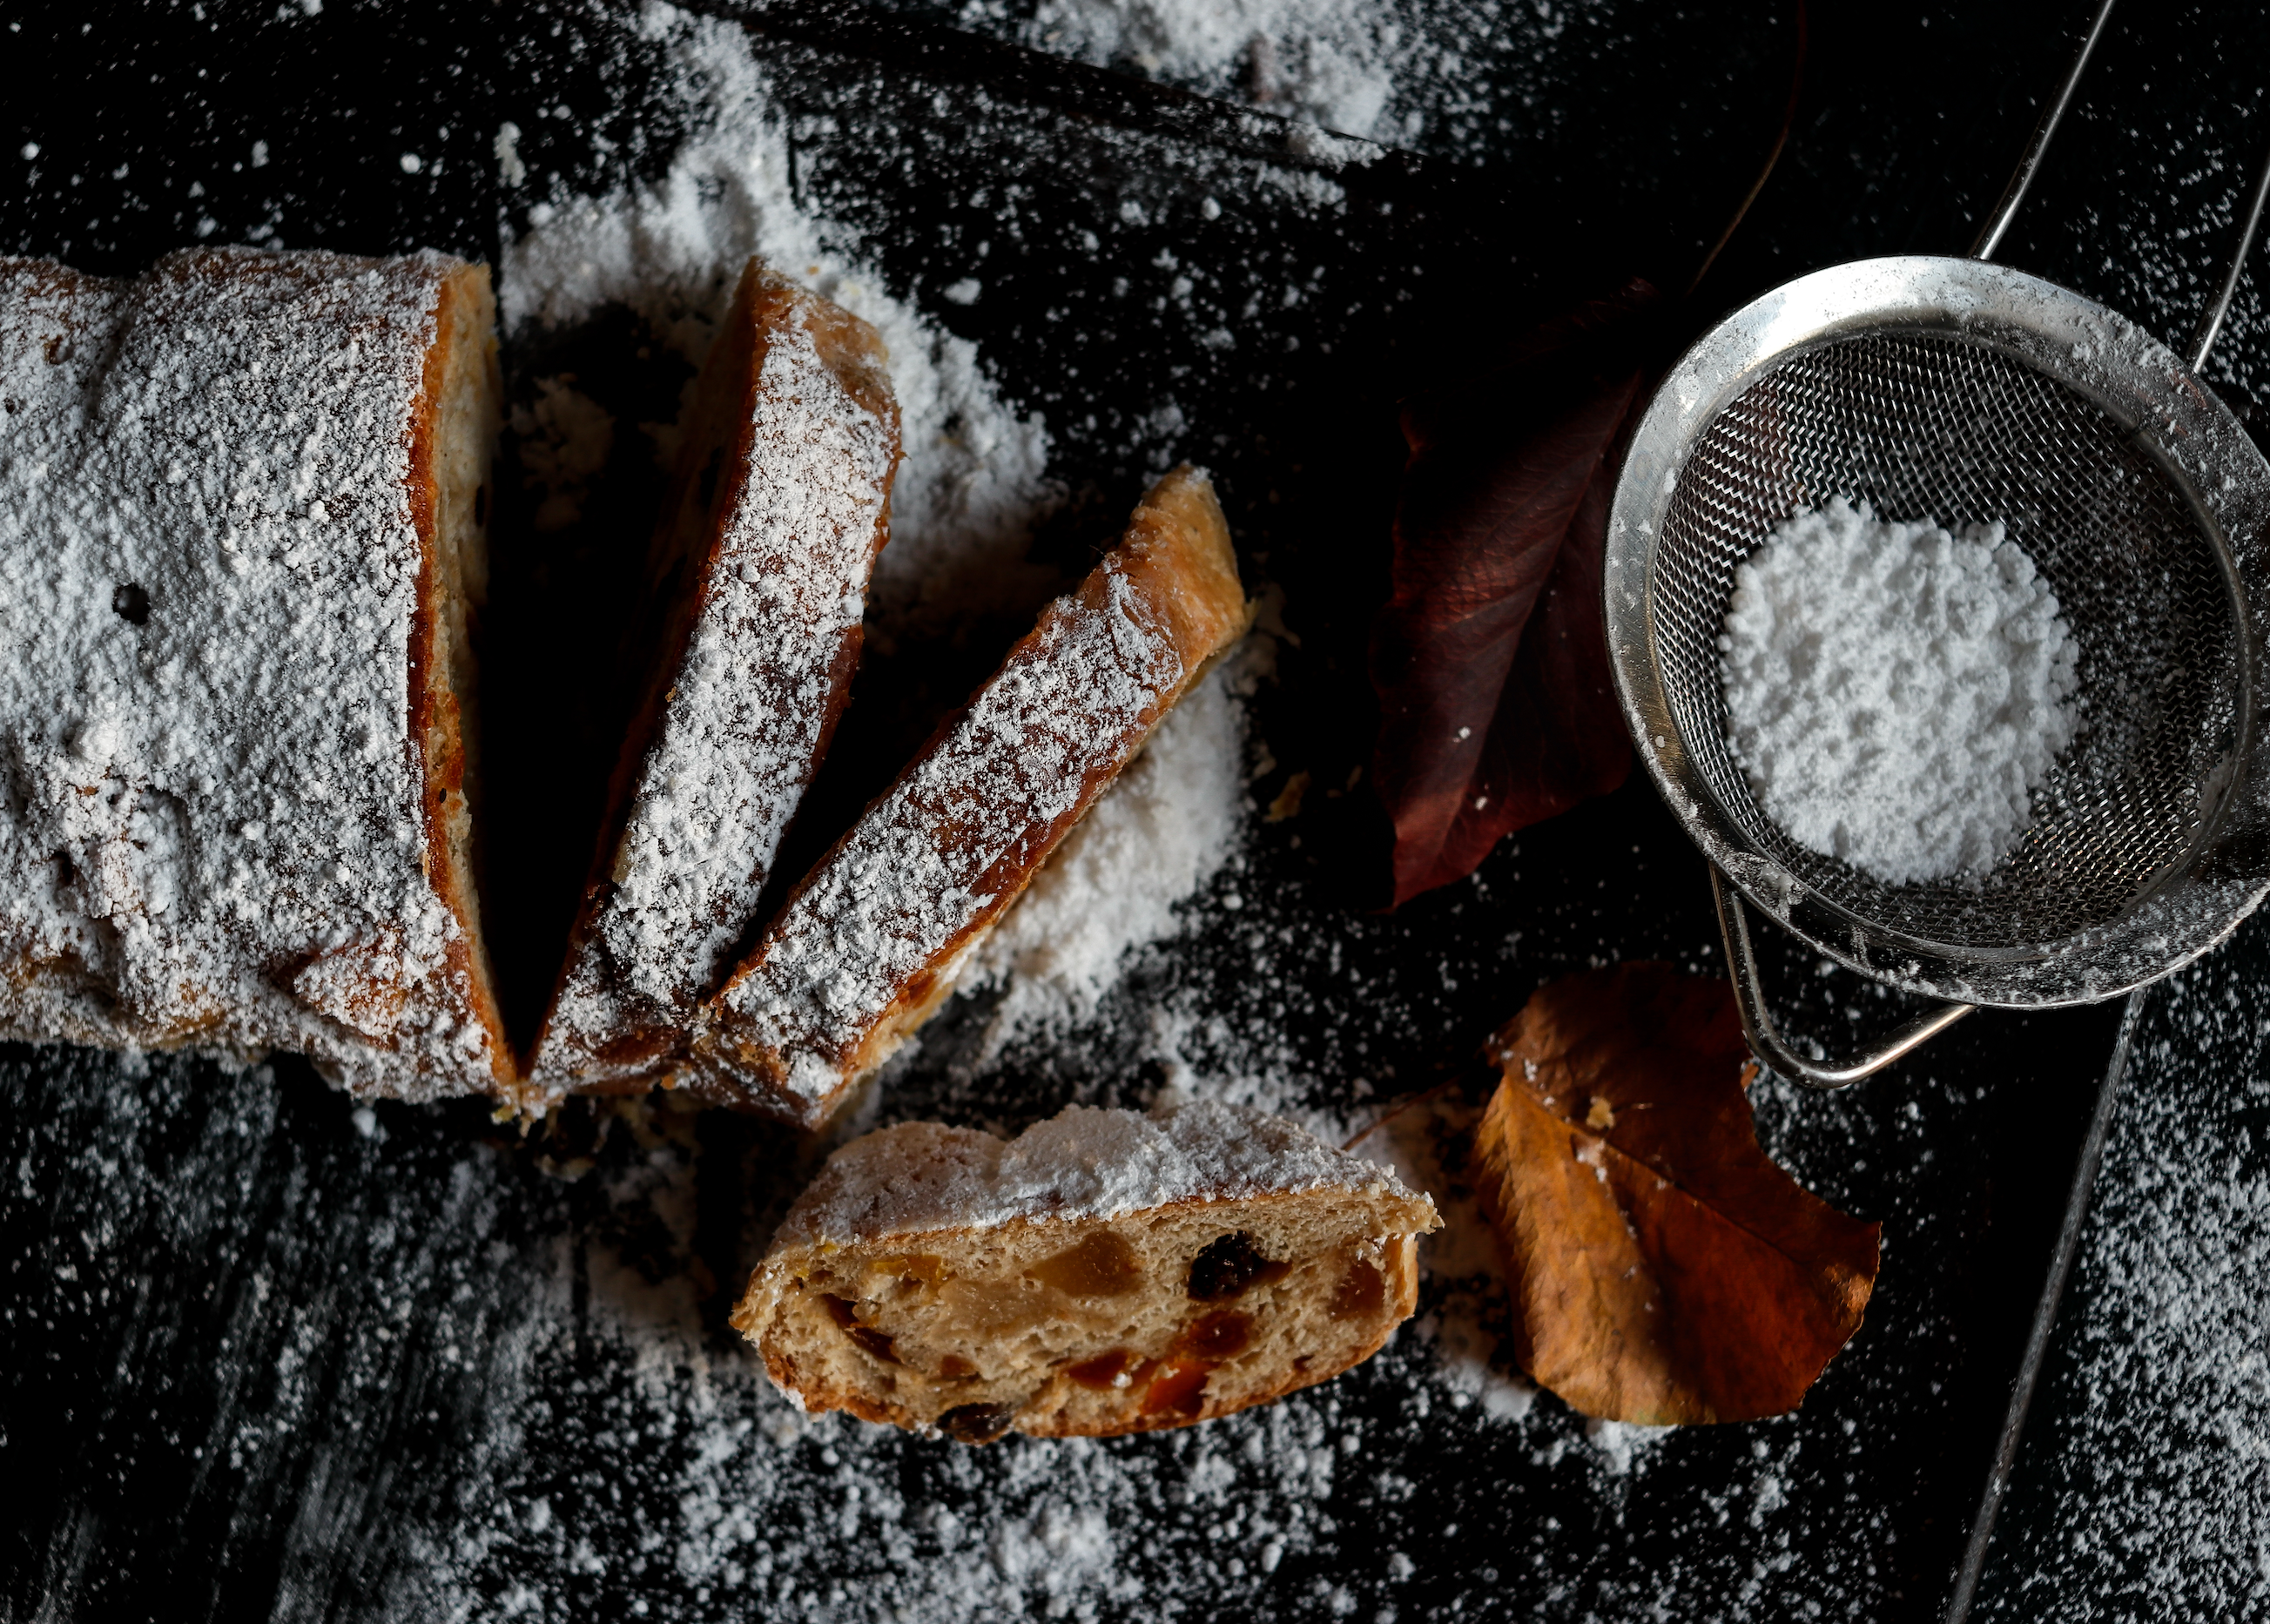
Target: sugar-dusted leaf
(1663, 1269)
(1496, 707)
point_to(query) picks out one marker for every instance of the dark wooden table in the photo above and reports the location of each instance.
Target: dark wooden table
(274, 1356)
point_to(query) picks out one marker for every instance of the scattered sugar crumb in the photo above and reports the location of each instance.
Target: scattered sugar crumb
(1339, 64)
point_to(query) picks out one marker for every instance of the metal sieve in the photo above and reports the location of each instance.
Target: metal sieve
(1962, 391)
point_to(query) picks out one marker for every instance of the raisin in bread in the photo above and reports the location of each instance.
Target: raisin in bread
(869, 944)
(780, 504)
(1106, 1271)
(243, 502)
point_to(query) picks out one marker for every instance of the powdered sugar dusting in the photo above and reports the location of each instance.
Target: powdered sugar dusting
(1083, 1163)
(2146, 1463)
(209, 573)
(1896, 691)
(1331, 62)
(1365, 67)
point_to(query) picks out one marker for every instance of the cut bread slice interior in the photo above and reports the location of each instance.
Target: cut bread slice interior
(1105, 1272)
(869, 944)
(758, 573)
(454, 437)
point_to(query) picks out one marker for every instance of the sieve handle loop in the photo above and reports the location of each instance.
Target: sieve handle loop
(2250, 223)
(2006, 207)
(1765, 1039)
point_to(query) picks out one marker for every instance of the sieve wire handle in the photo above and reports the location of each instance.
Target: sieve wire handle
(2250, 223)
(1765, 1038)
(1990, 235)
(2006, 208)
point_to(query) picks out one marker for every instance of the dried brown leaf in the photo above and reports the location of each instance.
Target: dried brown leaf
(1662, 1268)
(1496, 707)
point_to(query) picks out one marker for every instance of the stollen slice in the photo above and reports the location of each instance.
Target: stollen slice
(869, 944)
(1105, 1271)
(780, 502)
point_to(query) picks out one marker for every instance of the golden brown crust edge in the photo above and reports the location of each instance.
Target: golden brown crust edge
(1177, 550)
(444, 735)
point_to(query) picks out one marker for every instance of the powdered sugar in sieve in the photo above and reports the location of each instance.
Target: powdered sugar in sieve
(1896, 691)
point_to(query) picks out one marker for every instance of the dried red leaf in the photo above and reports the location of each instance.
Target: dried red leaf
(1496, 706)
(1662, 1268)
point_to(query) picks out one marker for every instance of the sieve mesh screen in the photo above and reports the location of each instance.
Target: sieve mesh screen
(1925, 424)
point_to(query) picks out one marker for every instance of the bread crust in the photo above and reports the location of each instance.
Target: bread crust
(444, 713)
(869, 944)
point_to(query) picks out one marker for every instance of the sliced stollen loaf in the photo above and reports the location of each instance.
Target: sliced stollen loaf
(1105, 1271)
(869, 944)
(779, 503)
(242, 510)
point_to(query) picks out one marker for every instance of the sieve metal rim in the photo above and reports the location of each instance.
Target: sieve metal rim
(2202, 449)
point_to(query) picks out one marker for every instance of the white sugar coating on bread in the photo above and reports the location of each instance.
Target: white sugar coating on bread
(1166, 826)
(776, 611)
(1087, 1161)
(214, 827)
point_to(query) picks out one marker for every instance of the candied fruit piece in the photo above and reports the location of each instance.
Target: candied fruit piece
(846, 1316)
(954, 1367)
(923, 1266)
(1121, 1367)
(995, 1310)
(976, 1423)
(1215, 1336)
(1179, 1388)
(1361, 1292)
(1102, 1266)
(1230, 1267)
